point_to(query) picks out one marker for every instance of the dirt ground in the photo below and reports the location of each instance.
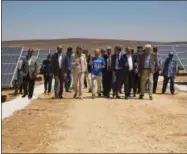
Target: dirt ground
(100, 125)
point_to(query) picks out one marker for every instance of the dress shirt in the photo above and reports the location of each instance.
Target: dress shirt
(29, 61)
(147, 61)
(109, 62)
(60, 60)
(117, 67)
(130, 62)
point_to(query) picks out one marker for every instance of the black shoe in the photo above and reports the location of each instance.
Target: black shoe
(151, 97)
(89, 90)
(141, 96)
(93, 96)
(99, 95)
(107, 96)
(24, 95)
(118, 97)
(134, 95)
(113, 95)
(29, 97)
(74, 96)
(126, 97)
(61, 97)
(172, 93)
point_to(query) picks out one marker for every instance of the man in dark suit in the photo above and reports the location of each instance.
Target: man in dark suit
(29, 70)
(128, 65)
(117, 72)
(137, 76)
(69, 69)
(59, 69)
(46, 70)
(107, 73)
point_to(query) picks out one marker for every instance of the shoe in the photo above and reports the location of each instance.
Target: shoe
(126, 97)
(172, 93)
(118, 97)
(24, 95)
(113, 95)
(61, 97)
(99, 95)
(80, 97)
(107, 96)
(74, 96)
(45, 92)
(29, 97)
(89, 90)
(55, 97)
(93, 96)
(141, 96)
(151, 97)
(134, 95)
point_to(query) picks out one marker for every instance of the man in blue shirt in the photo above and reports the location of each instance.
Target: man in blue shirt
(169, 72)
(69, 69)
(98, 64)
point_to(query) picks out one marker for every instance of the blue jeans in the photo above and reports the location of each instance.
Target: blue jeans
(68, 80)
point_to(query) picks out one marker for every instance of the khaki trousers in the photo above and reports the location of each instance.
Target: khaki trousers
(78, 83)
(96, 81)
(146, 75)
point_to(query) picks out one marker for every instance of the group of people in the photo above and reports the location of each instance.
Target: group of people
(105, 72)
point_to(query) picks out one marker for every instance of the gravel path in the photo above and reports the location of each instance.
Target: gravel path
(99, 125)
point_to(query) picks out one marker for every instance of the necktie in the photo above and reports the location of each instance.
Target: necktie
(109, 64)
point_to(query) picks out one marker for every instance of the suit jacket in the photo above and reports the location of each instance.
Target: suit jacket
(141, 61)
(31, 69)
(124, 60)
(55, 65)
(113, 61)
(76, 67)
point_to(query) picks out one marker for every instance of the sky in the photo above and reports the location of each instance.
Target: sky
(129, 20)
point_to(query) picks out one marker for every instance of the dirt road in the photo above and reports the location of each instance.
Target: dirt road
(99, 125)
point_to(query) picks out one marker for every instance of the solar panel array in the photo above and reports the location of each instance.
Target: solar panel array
(180, 53)
(10, 59)
(12, 55)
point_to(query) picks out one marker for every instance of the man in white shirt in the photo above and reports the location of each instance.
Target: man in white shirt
(59, 69)
(128, 62)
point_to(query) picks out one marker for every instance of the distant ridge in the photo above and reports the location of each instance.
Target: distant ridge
(85, 42)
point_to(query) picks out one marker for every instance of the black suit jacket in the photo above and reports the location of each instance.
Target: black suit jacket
(124, 60)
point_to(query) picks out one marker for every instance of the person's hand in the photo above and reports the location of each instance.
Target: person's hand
(126, 65)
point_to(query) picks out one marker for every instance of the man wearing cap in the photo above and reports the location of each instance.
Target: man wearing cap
(29, 69)
(147, 64)
(69, 69)
(59, 69)
(157, 70)
(107, 73)
(117, 72)
(46, 70)
(169, 72)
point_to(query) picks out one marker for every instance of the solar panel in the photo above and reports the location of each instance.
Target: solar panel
(52, 51)
(181, 52)
(10, 58)
(43, 52)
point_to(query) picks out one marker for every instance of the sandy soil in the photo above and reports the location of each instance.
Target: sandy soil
(100, 125)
